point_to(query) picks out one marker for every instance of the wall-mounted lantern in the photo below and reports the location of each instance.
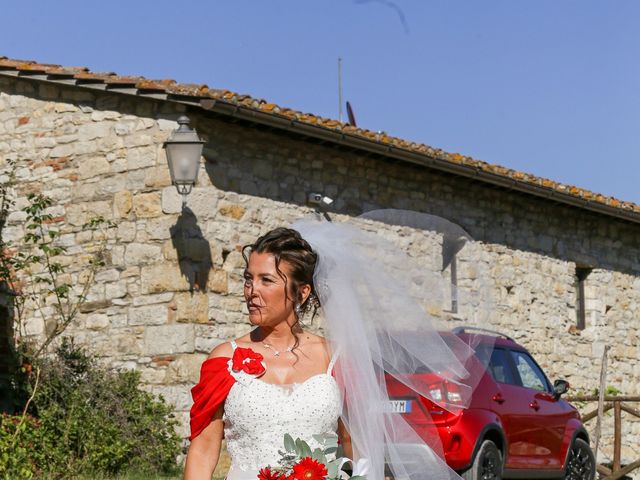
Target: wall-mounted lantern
(183, 149)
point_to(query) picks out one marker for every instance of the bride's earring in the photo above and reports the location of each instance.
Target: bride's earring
(313, 301)
(298, 309)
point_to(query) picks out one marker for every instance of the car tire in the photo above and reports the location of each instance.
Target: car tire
(581, 463)
(487, 464)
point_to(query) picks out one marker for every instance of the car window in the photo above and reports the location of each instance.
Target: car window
(499, 366)
(530, 374)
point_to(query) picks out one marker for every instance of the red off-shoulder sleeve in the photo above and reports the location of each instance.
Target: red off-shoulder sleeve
(210, 392)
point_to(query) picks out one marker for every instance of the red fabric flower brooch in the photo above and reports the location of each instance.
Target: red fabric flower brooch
(247, 361)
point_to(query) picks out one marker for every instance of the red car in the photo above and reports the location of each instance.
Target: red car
(516, 425)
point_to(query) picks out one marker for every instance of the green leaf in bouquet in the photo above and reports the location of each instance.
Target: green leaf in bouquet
(302, 448)
(330, 450)
(331, 440)
(332, 469)
(289, 444)
(319, 456)
(358, 477)
(320, 438)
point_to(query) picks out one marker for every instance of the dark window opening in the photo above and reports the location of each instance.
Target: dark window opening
(581, 276)
(450, 247)
(450, 275)
(454, 285)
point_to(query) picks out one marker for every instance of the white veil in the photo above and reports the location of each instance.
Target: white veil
(382, 311)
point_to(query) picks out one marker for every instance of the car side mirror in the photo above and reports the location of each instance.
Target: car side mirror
(560, 387)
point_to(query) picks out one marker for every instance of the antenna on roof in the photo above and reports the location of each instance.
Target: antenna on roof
(340, 89)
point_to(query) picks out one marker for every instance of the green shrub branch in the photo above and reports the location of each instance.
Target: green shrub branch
(74, 416)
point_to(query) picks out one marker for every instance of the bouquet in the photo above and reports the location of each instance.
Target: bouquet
(299, 462)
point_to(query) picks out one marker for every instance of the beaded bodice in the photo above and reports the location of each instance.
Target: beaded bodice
(257, 415)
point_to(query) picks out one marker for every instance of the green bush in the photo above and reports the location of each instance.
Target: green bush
(21, 447)
(91, 420)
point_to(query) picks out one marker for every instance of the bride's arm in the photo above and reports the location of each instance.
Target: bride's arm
(204, 450)
(345, 439)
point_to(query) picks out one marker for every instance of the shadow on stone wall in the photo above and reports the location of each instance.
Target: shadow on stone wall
(193, 250)
(285, 168)
(8, 357)
(272, 164)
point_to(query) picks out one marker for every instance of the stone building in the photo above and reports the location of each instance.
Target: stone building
(564, 262)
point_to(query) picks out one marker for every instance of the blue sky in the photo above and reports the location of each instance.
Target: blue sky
(549, 87)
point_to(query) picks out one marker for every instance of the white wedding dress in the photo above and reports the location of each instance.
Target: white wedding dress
(257, 415)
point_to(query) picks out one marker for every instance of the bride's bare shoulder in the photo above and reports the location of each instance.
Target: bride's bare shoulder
(223, 350)
(312, 338)
(315, 343)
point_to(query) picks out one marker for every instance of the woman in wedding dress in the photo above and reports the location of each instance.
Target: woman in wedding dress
(279, 379)
(293, 393)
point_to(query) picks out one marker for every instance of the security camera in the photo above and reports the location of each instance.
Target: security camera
(319, 199)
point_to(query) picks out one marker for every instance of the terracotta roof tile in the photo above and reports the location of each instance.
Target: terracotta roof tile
(117, 80)
(36, 67)
(84, 75)
(188, 89)
(103, 77)
(67, 70)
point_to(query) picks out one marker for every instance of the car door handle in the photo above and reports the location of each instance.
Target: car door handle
(498, 398)
(535, 405)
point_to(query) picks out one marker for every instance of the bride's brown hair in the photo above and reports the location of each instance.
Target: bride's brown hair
(286, 244)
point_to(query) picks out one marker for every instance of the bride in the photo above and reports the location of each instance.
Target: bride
(294, 391)
(280, 379)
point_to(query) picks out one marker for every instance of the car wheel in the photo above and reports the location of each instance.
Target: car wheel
(487, 465)
(581, 464)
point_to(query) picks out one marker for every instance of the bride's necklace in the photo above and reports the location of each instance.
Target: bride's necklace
(276, 353)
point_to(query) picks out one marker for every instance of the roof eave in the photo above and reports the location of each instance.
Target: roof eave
(394, 152)
(333, 136)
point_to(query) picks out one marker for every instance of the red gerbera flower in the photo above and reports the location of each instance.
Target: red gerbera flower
(267, 474)
(309, 469)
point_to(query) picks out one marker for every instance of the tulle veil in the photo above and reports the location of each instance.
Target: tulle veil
(384, 306)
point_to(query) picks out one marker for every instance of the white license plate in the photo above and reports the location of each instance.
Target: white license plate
(400, 406)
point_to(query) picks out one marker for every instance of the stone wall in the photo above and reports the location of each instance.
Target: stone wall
(172, 286)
